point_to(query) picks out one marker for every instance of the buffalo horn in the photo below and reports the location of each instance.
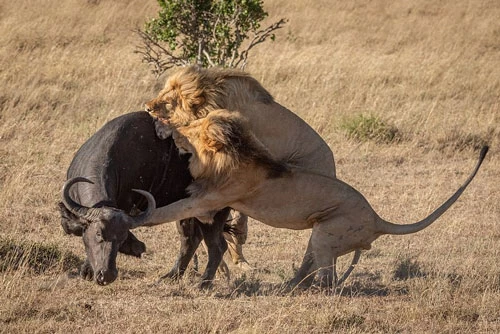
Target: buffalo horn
(77, 209)
(144, 217)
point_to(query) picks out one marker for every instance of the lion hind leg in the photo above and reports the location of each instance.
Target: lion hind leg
(305, 274)
(322, 244)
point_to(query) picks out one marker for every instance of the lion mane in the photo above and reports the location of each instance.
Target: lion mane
(222, 144)
(193, 92)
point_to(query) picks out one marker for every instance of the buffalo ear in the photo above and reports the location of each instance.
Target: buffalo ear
(132, 246)
(70, 223)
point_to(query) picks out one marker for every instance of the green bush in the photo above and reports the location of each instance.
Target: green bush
(206, 33)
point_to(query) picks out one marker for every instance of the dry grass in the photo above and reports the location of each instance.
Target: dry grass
(430, 69)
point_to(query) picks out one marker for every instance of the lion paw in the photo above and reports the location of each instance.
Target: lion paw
(245, 266)
(163, 131)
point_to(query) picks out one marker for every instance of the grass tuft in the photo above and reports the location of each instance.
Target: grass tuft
(458, 141)
(248, 286)
(370, 128)
(407, 268)
(36, 257)
(346, 321)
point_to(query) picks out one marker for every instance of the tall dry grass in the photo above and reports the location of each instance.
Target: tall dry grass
(430, 69)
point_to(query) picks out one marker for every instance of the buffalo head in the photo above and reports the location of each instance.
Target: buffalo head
(105, 231)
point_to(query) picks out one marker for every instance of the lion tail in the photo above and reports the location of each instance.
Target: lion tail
(386, 227)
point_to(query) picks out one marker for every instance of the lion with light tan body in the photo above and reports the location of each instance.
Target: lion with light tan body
(192, 93)
(232, 168)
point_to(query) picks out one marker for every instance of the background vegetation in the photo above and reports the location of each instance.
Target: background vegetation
(206, 33)
(428, 70)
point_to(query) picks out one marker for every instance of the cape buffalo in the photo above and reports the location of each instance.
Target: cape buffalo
(99, 202)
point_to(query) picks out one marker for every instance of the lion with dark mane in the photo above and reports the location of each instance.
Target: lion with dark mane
(192, 93)
(233, 168)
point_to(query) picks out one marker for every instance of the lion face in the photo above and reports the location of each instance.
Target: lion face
(165, 107)
(157, 109)
(192, 93)
(180, 102)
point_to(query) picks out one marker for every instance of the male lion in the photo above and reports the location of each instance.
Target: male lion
(232, 168)
(193, 92)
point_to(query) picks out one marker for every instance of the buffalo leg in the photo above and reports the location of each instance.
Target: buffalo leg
(191, 236)
(216, 245)
(132, 246)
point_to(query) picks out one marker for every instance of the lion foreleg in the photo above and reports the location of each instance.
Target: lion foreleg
(163, 131)
(186, 208)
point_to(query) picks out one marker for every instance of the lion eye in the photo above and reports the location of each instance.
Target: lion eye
(98, 237)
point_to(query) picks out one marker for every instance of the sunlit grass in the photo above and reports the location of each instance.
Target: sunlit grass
(403, 92)
(368, 127)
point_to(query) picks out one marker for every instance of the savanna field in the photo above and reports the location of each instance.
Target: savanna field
(405, 93)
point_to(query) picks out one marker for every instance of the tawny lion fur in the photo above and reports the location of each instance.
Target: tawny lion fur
(232, 168)
(220, 145)
(192, 93)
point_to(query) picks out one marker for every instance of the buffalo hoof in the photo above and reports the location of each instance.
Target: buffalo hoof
(300, 283)
(173, 275)
(205, 285)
